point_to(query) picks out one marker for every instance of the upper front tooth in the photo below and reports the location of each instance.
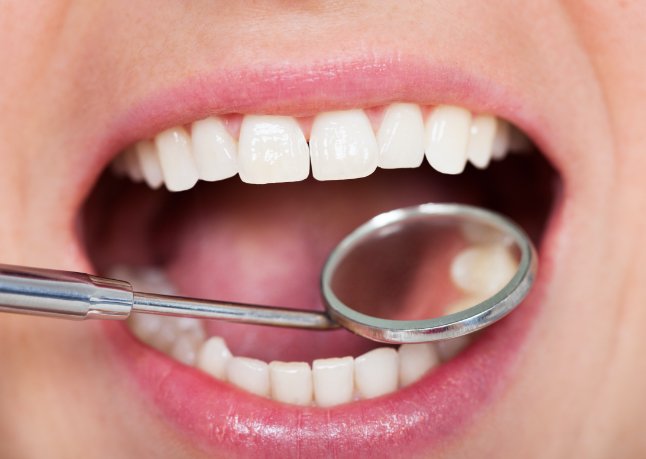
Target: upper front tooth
(333, 380)
(149, 161)
(376, 372)
(214, 149)
(291, 382)
(272, 149)
(249, 374)
(483, 269)
(178, 166)
(342, 146)
(447, 135)
(133, 168)
(483, 131)
(401, 137)
(501, 140)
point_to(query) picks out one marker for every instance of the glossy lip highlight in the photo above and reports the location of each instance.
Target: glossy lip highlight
(223, 419)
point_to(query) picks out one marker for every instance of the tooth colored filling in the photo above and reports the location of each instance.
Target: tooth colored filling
(479, 270)
(342, 144)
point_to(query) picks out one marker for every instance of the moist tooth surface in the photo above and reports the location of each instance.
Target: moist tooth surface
(333, 381)
(214, 150)
(376, 372)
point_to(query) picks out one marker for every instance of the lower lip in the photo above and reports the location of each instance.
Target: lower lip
(224, 420)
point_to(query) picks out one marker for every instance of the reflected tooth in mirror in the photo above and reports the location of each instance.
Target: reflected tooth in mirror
(272, 149)
(333, 381)
(291, 382)
(342, 145)
(376, 372)
(213, 357)
(415, 360)
(483, 269)
(133, 169)
(446, 138)
(150, 165)
(463, 303)
(185, 348)
(249, 374)
(177, 163)
(401, 137)
(482, 134)
(501, 140)
(449, 348)
(214, 150)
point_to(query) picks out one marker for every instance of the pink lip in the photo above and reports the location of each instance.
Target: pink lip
(224, 420)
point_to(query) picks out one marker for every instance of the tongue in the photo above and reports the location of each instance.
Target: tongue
(267, 244)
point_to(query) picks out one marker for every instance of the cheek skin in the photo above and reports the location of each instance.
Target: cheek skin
(583, 360)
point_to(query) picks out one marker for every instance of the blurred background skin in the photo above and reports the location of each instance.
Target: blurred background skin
(68, 66)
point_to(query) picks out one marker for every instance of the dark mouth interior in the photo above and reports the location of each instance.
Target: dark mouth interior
(266, 244)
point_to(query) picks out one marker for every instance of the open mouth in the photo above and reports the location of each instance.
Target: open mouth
(245, 207)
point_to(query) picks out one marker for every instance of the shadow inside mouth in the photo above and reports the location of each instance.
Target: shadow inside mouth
(267, 244)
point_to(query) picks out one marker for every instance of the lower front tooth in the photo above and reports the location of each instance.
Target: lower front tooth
(149, 161)
(333, 381)
(185, 348)
(342, 146)
(249, 374)
(449, 348)
(213, 357)
(272, 149)
(376, 372)
(214, 150)
(415, 360)
(177, 163)
(291, 382)
(447, 135)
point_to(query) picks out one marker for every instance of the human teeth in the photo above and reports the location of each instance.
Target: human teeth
(272, 149)
(449, 348)
(501, 140)
(214, 150)
(149, 161)
(177, 164)
(145, 326)
(446, 138)
(414, 361)
(376, 372)
(185, 348)
(133, 169)
(249, 374)
(483, 269)
(463, 303)
(481, 138)
(291, 382)
(333, 381)
(213, 357)
(342, 146)
(401, 137)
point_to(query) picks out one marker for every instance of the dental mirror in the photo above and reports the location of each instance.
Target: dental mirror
(424, 273)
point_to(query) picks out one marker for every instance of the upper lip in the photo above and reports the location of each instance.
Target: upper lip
(410, 419)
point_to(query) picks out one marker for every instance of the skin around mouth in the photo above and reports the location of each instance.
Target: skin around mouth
(561, 376)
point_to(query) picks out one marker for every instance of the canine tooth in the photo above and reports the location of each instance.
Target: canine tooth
(249, 374)
(401, 137)
(446, 138)
(449, 348)
(376, 372)
(501, 140)
(415, 360)
(177, 163)
(482, 134)
(133, 169)
(342, 145)
(214, 150)
(185, 348)
(291, 382)
(213, 357)
(272, 149)
(483, 269)
(149, 162)
(333, 381)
